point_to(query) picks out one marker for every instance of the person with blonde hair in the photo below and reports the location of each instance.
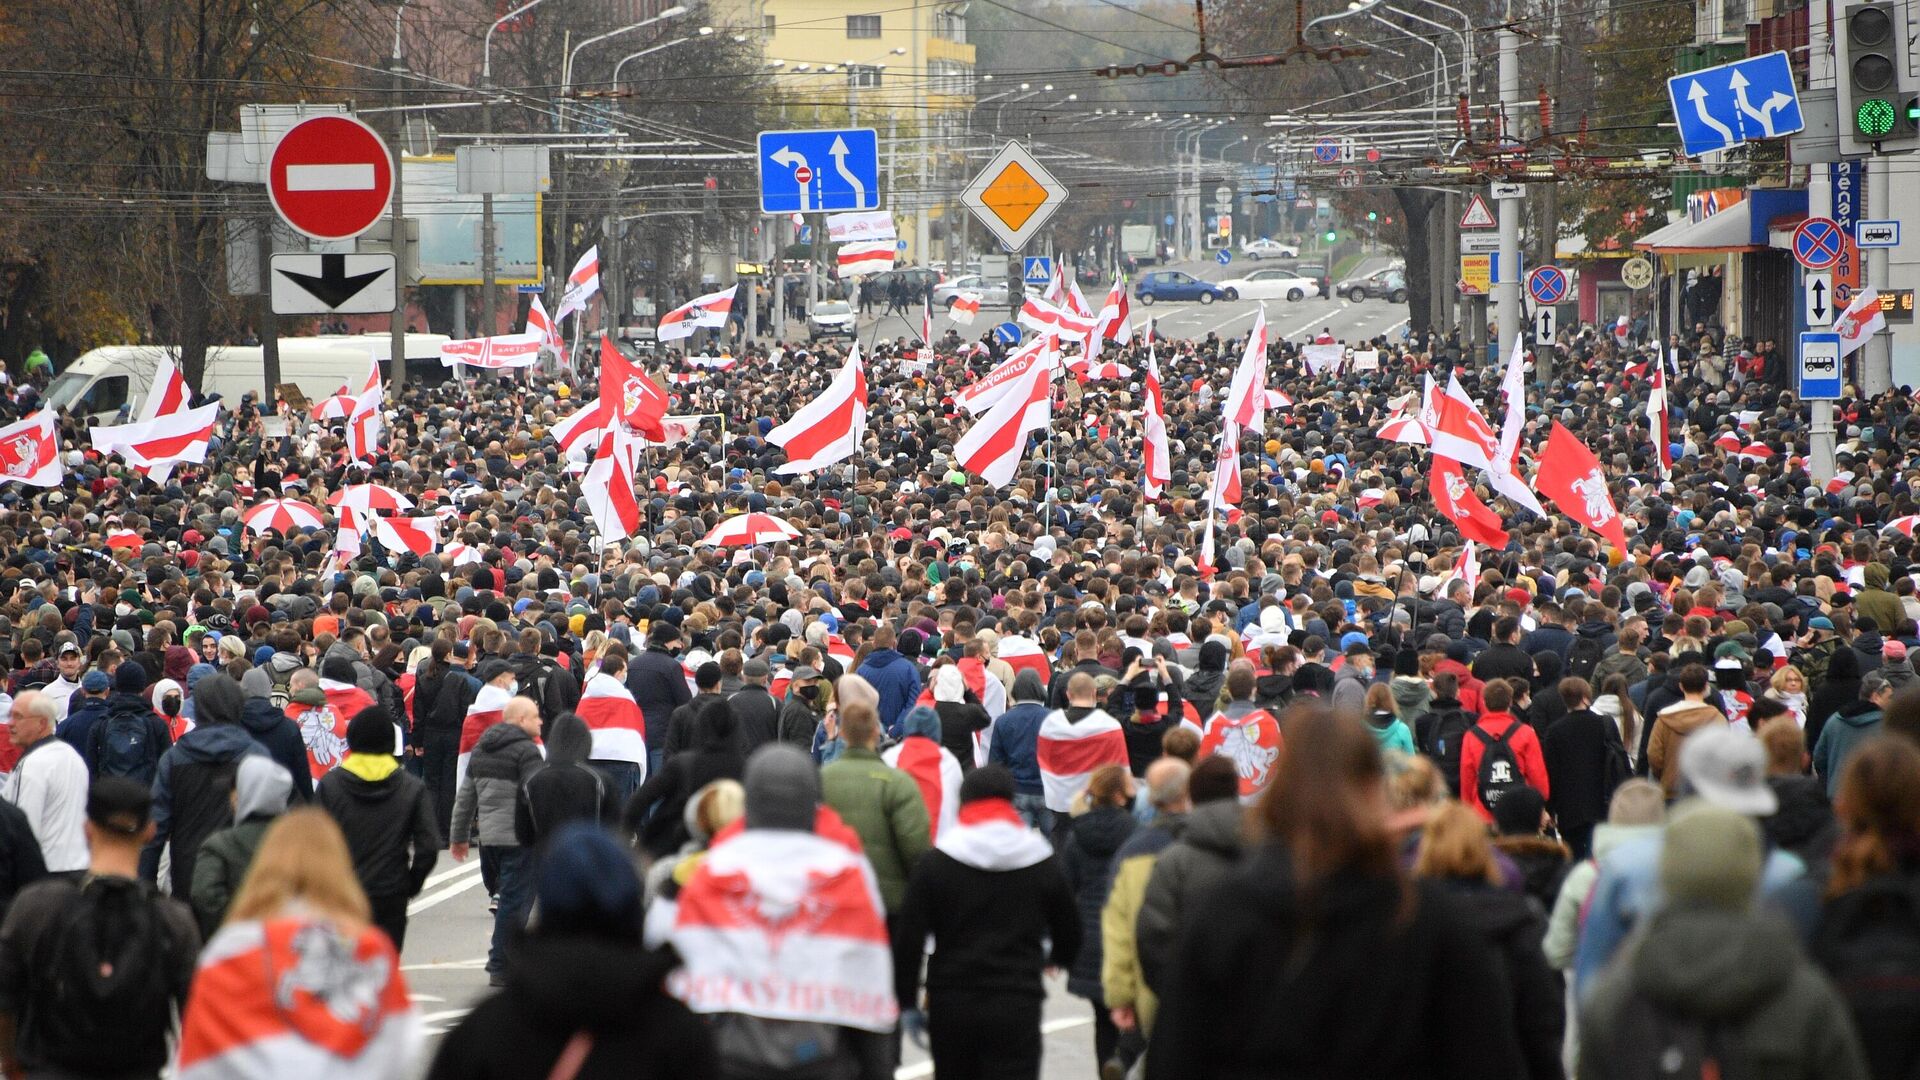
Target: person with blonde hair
(299, 981)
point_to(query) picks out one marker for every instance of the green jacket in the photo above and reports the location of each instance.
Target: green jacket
(884, 806)
(1121, 981)
(220, 867)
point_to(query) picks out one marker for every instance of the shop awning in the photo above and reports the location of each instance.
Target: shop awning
(1729, 230)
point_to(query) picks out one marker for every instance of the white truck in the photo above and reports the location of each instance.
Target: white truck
(1141, 243)
(97, 385)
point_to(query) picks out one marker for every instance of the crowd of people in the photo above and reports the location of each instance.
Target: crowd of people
(1314, 802)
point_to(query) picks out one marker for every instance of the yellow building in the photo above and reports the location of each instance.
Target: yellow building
(905, 70)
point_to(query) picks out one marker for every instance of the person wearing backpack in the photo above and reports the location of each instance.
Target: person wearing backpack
(1440, 732)
(130, 738)
(1868, 940)
(1709, 987)
(542, 678)
(193, 785)
(1499, 754)
(92, 970)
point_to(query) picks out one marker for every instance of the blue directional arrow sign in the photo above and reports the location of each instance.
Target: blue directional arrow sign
(1720, 107)
(828, 169)
(1008, 333)
(1036, 269)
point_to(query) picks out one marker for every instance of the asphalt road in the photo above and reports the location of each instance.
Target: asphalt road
(446, 955)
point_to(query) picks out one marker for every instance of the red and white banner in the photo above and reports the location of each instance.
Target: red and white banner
(864, 257)
(709, 311)
(1070, 753)
(618, 727)
(784, 925)
(1571, 476)
(582, 284)
(1157, 468)
(964, 309)
(489, 708)
(997, 383)
(1862, 319)
(992, 448)
(30, 451)
(828, 428)
(637, 401)
(1048, 319)
(295, 996)
(1252, 742)
(1246, 395)
(493, 353)
(935, 773)
(419, 535)
(860, 225)
(1457, 503)
(155, 446)
(1025, 654)
(546, 329)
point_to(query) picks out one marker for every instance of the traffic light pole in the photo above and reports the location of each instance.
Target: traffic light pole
(1507, 292)
(1876, 356)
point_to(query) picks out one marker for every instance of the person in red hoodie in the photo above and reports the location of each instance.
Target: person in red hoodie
(1470, 687)
(1497, 726)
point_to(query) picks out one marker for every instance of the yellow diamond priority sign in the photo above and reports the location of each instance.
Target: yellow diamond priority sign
(1014, 195)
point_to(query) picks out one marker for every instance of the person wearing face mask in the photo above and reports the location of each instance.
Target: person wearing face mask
(168, 704)
(809, 695)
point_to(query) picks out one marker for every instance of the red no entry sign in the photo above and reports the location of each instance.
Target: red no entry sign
(330, 177)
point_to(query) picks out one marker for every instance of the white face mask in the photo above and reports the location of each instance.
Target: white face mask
(513, 687)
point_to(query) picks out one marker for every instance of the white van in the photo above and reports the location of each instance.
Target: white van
(97, 385)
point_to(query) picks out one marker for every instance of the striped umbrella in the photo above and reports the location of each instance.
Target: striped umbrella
(284, 516)
(369, 498)
(748, 530)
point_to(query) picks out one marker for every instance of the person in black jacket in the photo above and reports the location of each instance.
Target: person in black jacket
(193, 785)
(387, 817)
(990, 896)
(756, 710)
(1585, 761)
(444, 693)
(961, 716)
(1455, 852)
(715, 755)
(567, 789)
(588, 936)
(1087, 858)
(1377, 975)
(1504, 659)
(269, 726)
(683, 727)
(20, 861)
(659, 686)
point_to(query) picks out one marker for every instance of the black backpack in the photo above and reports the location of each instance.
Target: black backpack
(1869, 943)
(102, 1003)
(1499, 770)
(123, 745)
(1584, 657)
(1651, 1043)
(1445, 737)
(540, 680)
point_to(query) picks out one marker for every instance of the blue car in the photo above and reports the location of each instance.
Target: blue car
(1175, 285)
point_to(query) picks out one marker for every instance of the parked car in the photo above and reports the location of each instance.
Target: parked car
(1270, 284)
(1176, 285)
(1390, 284)
(992, 293)
(1265, 248)
(918, 278)
(831, 318)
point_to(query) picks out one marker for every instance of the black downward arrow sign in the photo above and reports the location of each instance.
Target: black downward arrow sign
(334, 286)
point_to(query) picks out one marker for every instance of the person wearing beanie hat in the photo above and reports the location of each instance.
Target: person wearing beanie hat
(588, 935)
(999, 910)
(1708, 962)
(387, 818)
(193, 780)
(87, 709)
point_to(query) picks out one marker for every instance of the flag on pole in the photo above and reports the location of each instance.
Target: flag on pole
(1455, 427)
(156, 445)
(546, 329)
(1571, 476)
(992, 448)
(1049, 319)
(419, 535)
(1246, 395)
(1465, 568)
(1658, 420)
(1504, 474)
(708, 311)
(926, 323)
(30, 451)
(964, 309)
(1458, 504)
(828, 428)
(608, 487)
(997, 383)
(636, 400)
(582, 284)
(1862, 319)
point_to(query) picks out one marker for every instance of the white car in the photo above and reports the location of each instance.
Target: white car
(831, 318)
(1264, 248)
(1273, 284)
(992, 293)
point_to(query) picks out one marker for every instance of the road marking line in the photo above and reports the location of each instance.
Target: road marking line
(441, 897)
(923, 1069)
(447, 965)
(350, 177)
(471, 866)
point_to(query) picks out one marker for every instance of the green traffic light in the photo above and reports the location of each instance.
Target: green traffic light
(1332, 236)
(1372, 216)
(1873, 118)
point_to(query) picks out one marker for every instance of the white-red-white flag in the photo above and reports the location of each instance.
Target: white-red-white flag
(1658, 420)
(582, 284)
(583, 428)
(1465, 568)
(993, 447)
(609, 488)
(964, 309)
(364, 426)
(30, 451)
(618, 727)
(828, 428)
(1455, 427)
(1504, 473)
(863, 257)
(1246, 403)
(420, 535)
(1049, 319)
(547, 329)
(708, 311)
(1862, 319)
(998, 382)
(1114, 321)
(156, 445)
(1069, 752)
(1157, 470)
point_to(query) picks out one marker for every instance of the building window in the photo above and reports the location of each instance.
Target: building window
(951, 25)
(950, 77)
(863, 76)
(766, 25)
(863, 26)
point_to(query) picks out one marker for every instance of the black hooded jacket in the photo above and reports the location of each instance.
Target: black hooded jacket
(567, 789)
(715, 756)
(270, 728)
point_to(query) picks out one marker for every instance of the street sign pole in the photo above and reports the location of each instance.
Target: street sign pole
(1818, 379)
(1507, 291)
(1876, 356)
(269, 328)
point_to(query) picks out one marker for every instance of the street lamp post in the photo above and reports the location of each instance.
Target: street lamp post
(488, 244)
(397, 66)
